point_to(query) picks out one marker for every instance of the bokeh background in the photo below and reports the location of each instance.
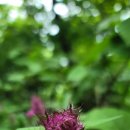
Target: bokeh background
(65, 51)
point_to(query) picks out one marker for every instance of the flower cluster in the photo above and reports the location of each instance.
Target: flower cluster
(64, 120)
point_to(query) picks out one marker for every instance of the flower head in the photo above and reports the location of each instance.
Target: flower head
(61, 120)
(65, 120)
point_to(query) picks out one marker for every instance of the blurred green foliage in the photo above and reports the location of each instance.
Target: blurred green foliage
(81, 57)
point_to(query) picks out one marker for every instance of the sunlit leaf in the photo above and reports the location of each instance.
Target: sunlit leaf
(107, 119)
(31, 128)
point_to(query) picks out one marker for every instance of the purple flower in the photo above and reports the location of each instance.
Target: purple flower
(65, 120)
(37, 107)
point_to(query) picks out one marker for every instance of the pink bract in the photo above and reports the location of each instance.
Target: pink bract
(37, 107)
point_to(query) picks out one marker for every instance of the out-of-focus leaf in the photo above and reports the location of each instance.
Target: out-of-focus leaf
(77, 74)
(124, 31)
(16, 76)
(32, 128)
(107, 119)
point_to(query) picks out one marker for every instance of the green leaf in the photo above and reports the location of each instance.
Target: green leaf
(77, 74)
(107, 119)
(32, 128)
(124, 31)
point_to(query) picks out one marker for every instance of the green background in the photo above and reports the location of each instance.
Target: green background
(80, 58)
